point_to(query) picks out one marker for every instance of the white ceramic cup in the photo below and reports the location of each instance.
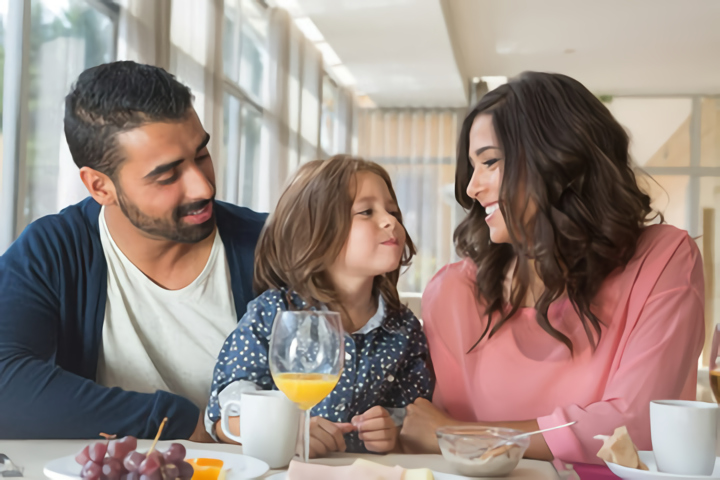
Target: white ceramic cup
(269, 425)
(683, 436)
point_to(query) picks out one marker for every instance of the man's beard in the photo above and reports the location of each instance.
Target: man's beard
(173, 229)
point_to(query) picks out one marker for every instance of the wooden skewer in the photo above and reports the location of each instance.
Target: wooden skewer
(157, 437)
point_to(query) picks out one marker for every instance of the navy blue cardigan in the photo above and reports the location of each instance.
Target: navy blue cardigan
(53, 289)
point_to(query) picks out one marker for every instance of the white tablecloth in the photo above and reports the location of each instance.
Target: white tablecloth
(32, 455)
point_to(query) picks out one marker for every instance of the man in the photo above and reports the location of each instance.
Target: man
(113, 311)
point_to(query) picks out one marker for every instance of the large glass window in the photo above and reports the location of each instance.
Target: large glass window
(66, 38)
(245, 65)
(329, 116)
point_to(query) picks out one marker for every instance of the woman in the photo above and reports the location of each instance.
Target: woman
(567, 305)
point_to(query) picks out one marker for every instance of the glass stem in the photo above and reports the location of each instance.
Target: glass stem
(305, 419)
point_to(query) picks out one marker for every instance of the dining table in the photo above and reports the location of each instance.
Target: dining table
(33, 455)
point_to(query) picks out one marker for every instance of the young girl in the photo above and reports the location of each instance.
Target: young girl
(336, 241)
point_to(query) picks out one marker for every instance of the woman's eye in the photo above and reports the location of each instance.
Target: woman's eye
(491, 162)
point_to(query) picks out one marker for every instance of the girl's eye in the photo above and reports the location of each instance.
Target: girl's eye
(395, 214)
(491, 162)
(366, 212)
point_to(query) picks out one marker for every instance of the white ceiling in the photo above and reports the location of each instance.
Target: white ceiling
(401, 54)
(398, 50)
(618, 46)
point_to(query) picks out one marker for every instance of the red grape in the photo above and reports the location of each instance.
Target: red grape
(112, 469)
(133, 460)
(150, 465)
(185, 470)
(120, 448)
(97, 451)
(84, 456)
(175, 453)
(170, 472)
(156, 475)
(91, 471)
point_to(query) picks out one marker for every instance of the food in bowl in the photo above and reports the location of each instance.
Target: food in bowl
(482, 451)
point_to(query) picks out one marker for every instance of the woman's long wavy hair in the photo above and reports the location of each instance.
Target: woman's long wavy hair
(566, 157)
(309, 228)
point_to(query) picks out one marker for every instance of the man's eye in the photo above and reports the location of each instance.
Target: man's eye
(168, 180)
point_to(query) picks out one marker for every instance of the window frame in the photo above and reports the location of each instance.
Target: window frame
(16, 113)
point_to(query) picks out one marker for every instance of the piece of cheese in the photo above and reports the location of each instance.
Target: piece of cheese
(418, 474)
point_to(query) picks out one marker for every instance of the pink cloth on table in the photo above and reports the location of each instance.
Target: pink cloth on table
(356, 471)
(653, 333)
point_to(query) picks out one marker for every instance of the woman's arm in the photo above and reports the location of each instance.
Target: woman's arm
(423, 419)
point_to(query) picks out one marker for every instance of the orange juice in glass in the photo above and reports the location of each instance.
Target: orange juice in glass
(307, 349)
(306, 389)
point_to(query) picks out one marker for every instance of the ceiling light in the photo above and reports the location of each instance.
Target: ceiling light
(329, 55)
(494, 81)
(343, 75)
(309, 29)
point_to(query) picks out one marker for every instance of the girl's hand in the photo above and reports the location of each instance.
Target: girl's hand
(326, 436)
(377, 430)
(418, 430)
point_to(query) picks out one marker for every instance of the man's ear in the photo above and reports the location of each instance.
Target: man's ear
(100, 186)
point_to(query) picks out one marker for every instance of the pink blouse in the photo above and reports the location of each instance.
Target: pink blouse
(653, 333)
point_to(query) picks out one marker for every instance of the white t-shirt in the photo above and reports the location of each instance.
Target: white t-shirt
(157, 339)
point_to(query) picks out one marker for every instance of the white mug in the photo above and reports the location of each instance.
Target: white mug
(683, 436)
(269, 425)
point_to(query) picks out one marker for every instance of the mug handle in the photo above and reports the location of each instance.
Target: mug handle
(225, 420)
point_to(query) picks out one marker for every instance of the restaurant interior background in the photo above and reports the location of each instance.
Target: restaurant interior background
(280, 82)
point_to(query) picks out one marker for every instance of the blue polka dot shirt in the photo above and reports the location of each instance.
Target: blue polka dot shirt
(385, 362)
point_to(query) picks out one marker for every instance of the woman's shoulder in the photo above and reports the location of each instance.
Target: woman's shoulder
(454, 283)
(659, 244)
(458, 275)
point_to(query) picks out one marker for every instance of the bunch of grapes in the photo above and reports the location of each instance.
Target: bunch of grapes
(118, 460)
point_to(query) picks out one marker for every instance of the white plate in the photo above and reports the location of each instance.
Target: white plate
(436, 475)
(241, 466)
(648, 458)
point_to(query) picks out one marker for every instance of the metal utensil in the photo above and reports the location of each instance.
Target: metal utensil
(528, 434)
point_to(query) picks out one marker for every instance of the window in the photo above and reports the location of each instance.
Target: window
(329, 117)
(245, 66)
(66, 38)
(242, 128)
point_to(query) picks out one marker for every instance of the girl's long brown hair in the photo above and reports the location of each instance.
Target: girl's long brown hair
(569, 157)
(309, 228)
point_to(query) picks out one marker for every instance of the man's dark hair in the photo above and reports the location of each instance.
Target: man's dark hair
(113, 98)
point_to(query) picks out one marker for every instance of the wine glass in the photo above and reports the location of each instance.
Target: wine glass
(714, 367)
(307, 349)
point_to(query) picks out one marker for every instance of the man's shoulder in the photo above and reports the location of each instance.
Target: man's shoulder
(74, 225)
(235, 218)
